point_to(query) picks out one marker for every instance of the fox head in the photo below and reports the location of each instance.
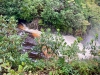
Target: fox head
(22, 27)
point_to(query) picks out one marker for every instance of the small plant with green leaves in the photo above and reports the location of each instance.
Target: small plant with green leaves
(57, 45)
(93, 46)
(51, 41)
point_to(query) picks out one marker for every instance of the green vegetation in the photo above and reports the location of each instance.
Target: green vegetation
(64, 15)
(70, 16)
(67, 15)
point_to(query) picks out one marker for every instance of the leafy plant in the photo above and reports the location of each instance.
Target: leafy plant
(24, 10)
(85, 67)
(10, 45)
(56, 46)
(58, 14)
(51, 41)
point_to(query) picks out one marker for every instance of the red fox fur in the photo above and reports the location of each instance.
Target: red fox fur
(36, 34)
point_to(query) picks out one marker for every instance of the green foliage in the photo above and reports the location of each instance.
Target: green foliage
(20, 9)
(27, 10)
(62, 14)
(67, 15)
(53, 41)
(95, 50)
(57, 66)
(10, 46)
(93, 12)
(86, 67)
(13, 62)
(58, 46)
(10, 43)
(56, 13)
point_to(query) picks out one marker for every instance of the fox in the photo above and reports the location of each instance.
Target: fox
(36, 34)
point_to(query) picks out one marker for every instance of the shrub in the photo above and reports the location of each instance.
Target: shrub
(56, 46)
(58, 14)
(86, 67)
(63, 15)
(10, 46)
(24, 10)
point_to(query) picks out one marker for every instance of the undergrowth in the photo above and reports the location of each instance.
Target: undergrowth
(13, 62)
